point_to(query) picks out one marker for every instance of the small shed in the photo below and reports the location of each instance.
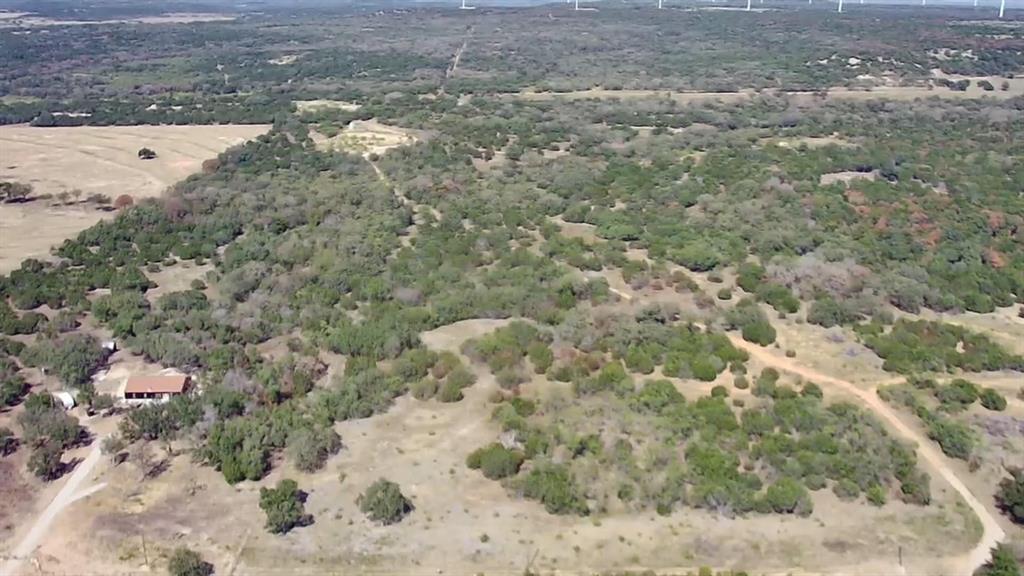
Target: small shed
(156, 387)
(66, 399)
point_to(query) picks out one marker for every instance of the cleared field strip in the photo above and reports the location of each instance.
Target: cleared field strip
(95, 160)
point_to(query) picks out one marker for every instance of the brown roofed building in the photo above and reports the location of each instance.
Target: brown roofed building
(156, 387)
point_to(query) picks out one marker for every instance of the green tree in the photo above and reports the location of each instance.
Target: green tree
(1002, 563)
(284, 506)
(45, 461)
(384, 502)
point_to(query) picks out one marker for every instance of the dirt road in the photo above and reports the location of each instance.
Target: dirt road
(992, 532)
(68, 494)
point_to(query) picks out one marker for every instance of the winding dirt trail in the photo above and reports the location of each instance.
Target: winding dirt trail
(68, 494)
(992, 532)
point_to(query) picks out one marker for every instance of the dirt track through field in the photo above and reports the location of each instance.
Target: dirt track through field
(992, 533)
(67, 495)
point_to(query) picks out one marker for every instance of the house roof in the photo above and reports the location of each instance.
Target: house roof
(174, 384)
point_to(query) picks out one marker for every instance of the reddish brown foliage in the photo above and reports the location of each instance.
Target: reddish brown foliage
(123, 201)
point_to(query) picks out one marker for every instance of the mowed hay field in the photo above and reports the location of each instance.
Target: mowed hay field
(96, 160)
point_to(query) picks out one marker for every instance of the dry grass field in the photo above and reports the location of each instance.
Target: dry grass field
(95, 160)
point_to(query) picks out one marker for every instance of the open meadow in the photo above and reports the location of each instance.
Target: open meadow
(67, 166)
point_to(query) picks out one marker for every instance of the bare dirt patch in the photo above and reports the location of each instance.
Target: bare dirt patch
(812, 141)
(846, 177)
(367, 137)
(313, 105)
(96, 160)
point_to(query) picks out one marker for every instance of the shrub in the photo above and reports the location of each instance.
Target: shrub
(992, 400)
(309, 447)
(955, 438)
(656, 395)
(552, 486)
(876, 495)
(759, 333)
(8, 441)
(812, 390)
(185, 562)
(541, 356)
(424, 389)
(384, 502)
(284, 506)
(916, 489)
(1010, 495)
(827, 312)
(957, 395)
(846, 489)
(450, 392)
(496, 461)
(788, 496)
(638, 360)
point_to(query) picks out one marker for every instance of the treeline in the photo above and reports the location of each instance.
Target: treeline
(175, 110)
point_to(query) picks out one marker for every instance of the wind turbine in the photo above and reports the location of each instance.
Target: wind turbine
(659, 5)
(1002, 8)
(840, 6)
(464, 7)
(748, 5)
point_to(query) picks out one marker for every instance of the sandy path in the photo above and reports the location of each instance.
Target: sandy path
(68, 494)
(992, 532)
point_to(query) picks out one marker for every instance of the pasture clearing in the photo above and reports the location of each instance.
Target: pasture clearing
(95, 160)
(367, 137)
